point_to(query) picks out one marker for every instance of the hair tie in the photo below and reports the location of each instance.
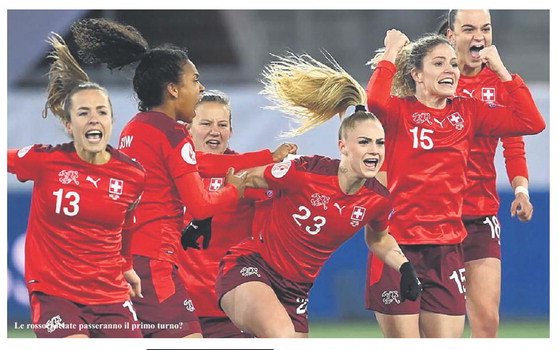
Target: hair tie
(360, 108)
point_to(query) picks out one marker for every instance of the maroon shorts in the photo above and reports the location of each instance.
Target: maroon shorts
(440, 268)
(484, 238)
(221, 327)
(56, 317)
(166, 310)
(294, 296)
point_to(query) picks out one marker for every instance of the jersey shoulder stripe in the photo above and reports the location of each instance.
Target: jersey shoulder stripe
(320, 165)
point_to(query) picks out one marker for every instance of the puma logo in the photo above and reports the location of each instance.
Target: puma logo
(471, 94)
(438, 122)
(339, 208)
(94, 182)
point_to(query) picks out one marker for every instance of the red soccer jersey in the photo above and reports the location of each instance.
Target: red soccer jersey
(166, 151)
(199, 268)
(480, 196)
(78, 209)
(427, 152)
(311, 217)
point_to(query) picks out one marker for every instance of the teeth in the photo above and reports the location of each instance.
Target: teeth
(94, 133)
(447, 81)
(476, 48)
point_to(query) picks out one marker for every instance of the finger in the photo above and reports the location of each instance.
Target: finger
(231, 171)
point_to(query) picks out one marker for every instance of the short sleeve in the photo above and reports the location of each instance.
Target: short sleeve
(284, 175)
(182, 159)
(26, 162)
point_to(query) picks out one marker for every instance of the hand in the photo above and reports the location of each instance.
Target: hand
(522, 208)
(394, 41)
(237, 180)
(283, 150)
(135, 283)
(410, 287)
(194, 230)
(490, 56)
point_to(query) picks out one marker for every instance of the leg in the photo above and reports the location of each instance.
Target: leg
(435, 325)
(483, 294)
(398, 326)
(254, 308)
(194, 335)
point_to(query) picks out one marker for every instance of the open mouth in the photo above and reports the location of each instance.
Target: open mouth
(94, 136)
(213, 143)
(474, 51)
(371, 163)
(447, 81)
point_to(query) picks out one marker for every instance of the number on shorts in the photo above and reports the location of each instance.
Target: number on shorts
(302, 308)
(306, 213)
(459, 278)
(128, 304)
(495, 227)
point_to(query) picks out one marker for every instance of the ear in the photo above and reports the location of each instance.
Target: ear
(342, 147)
(68, 127)
(450, 36)
(416, 75)
(172, 90)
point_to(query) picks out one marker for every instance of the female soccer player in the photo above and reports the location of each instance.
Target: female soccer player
(211, 130)
(78, 272)
(264, 282)
(429, 134)
(167, 85)
(471, 33)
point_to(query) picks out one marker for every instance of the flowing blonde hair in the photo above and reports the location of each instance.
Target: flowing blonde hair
(309, 91)
(66, 77)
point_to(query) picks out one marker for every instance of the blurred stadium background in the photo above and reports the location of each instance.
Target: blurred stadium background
(230, 47)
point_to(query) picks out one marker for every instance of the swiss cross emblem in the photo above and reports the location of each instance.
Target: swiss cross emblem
(215, 183)
(115, 188)
(357, 215)
(456, 120)
(488, 94)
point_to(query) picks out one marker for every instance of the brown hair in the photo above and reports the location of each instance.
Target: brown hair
(66, 78)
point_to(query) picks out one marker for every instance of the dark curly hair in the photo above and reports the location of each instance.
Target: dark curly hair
(102, 41)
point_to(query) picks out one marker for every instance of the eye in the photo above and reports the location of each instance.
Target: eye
(363, 142)
(454, 65)
(486, 30)
(468, 30)
(438, 64)
(205, 123)
(225, 126)
(380, 142)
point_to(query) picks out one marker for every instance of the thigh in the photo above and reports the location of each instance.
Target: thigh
(166, 310)
(254, 308)
(398, 326)
(55, 317)
(483, 284)
(434, 325)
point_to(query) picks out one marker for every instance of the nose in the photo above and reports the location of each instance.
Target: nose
(202, 88)
(478, 35)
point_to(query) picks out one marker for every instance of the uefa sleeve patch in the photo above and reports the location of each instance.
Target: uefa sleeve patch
(280, 169)
(188, 154)
(23, 151)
